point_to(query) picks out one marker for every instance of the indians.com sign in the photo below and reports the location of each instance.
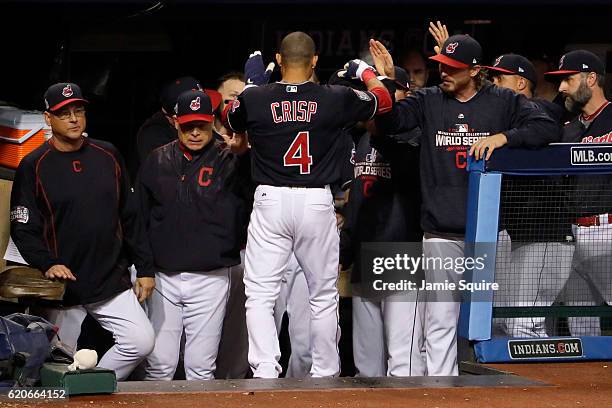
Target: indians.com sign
(545, 348)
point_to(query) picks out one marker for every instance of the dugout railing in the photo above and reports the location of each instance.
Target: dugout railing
(537, 206)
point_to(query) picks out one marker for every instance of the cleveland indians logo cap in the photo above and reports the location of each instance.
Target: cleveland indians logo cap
(196, 105)
(513, 64)
(61, 94)
(459, 51)
(578, 61)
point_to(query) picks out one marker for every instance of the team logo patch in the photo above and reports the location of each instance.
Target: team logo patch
(67, 91)
(561, 62)
(498, 60)
(362, 95)
(521, 69)
(195, 104)
(585, 66)
(450, 48)
(291, 88)
(235, 104)
(20, 214)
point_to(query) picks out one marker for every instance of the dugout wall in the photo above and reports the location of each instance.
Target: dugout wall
(549, 212)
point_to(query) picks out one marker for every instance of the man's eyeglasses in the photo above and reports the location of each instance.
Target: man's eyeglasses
(67, 113)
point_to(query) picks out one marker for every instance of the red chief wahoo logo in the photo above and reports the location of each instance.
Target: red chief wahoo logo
(195, 104)
(67, 91)
(450, 48)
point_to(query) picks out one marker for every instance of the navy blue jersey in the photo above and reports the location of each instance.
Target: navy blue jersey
(449, 127)
(295, 129)
(76, 209)
(384, 200)
(193, 201)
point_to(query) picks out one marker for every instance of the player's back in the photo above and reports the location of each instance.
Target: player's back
(294, 130)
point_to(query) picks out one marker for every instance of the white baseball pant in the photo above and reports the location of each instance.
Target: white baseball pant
(533, 275)
(388, 335)
(232, 359)
(590, 282)
(441, 309)
(190, 301)
(302, 221)
(293, 299)
(123, 316)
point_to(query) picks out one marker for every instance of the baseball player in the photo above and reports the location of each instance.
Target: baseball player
(72, 217)
(387, 330)
(188, 192)
(582, 76)
(540, 261)
(463, 115)
(293, 127)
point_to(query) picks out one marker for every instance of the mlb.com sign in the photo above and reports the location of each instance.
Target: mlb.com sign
(544, 348)
(591, 156)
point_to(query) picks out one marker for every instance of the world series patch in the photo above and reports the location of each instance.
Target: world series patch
(20, 214)
(362, 95)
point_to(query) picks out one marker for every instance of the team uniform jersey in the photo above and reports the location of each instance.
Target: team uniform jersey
(294, 130)
(76, 209)
(591, 193)
(448, 128)
(193, 207)
(383, 197)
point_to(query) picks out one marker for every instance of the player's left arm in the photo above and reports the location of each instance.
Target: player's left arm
(134, 234)
(531, 127)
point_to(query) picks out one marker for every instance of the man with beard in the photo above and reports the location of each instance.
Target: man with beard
(582, 77)
(464, 113)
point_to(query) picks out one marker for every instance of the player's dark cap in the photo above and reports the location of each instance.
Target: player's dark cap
(459, 51)
(402, 78)
(578, 61)
(513, 64)
(196, 105)
(172, 90)
(61, 94)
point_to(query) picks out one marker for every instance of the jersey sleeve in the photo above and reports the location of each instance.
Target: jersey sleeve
(234, 116)
(27, 223)
(405, 115)
(134, 232)
(530, 126)
(358, 105)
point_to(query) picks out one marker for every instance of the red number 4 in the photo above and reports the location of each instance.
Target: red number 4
(298, 153)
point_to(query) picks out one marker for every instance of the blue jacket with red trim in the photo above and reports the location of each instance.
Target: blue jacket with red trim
(77, 209)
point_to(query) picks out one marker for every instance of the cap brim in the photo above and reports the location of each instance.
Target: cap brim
(443, 59)
(194, 117)
(502, 70)
(563, 72)
(215, 98)
(66, 102)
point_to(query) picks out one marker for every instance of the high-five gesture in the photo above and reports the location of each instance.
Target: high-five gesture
(382, 59)
(439, 33)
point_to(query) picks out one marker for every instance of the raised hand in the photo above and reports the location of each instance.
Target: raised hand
(255, 72)
(382, 59)
(354, 69)
(439, 33)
